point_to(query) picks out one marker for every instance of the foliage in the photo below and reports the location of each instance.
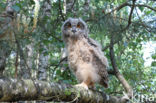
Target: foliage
(128, 47)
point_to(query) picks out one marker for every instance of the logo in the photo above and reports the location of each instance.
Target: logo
(142, 98)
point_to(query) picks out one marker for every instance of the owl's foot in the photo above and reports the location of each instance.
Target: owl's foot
(91, 86)
(84, 85)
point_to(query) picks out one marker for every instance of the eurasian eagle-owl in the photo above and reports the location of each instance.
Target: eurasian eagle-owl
(85, 57)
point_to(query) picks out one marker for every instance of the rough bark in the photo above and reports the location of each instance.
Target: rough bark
(6, 36)
(86, 7)
(4, 53)
(43, 64)
(69, 5)
(43, 58)
(47, 8)
(25, 89)
(30, 52)
(24, 71)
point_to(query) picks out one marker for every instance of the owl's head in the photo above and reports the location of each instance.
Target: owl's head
(74, 27)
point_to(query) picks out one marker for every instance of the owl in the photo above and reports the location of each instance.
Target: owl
(85, 56)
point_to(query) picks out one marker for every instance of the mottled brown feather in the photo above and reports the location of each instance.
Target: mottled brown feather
(85, 57)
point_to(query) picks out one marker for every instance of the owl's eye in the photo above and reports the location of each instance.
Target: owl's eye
(69, 25)
(78, 25)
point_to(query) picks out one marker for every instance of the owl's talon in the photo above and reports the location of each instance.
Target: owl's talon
(82, 85)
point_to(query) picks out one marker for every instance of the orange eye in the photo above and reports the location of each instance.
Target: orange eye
(69, 26)
(78, 26)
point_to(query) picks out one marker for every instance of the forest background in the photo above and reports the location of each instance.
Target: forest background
(31, 46)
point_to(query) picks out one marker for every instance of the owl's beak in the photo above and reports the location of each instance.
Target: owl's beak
(73, 29)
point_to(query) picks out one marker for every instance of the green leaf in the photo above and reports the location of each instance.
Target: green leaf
(67, 92)
(153, 63)
(148, 12)
(16, 8)
(58, 72)
(141, 8)
(154, 56)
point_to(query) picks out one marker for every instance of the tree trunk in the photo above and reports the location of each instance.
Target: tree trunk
(43, 64)
(5, 51)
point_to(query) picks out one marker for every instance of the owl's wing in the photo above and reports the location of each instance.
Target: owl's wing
(94, 43)
(99, 61)
(98, 51)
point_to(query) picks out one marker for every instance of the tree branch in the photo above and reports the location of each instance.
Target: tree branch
(143, 5)
(118, 8)
(60, 9)
(63, 59)
(112, 72)
(108, 46)
(128, 4)
(131, 12)
(73, 4)
(130, 16)
(120, 77)
(12, 90)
